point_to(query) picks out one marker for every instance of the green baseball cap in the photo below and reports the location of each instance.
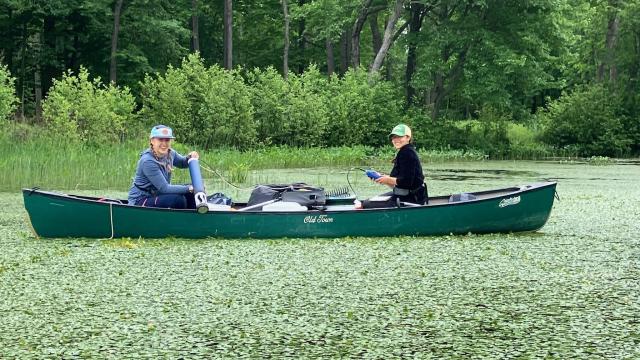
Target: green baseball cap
(400, 130)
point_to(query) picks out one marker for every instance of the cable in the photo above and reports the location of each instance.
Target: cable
(349, 182)
(208, 168)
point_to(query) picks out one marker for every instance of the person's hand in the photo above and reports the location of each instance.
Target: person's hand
(190, 187)
(386, 180)
(194, 155)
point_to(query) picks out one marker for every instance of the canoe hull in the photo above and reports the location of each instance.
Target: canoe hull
(54, 215)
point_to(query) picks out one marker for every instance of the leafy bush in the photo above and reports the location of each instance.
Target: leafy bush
(361, 110)
(588, 120)
(289, 112)
(268, 90)
(524, 141)
(207, 106)
(440, 134)
(8, 99)
(489, 133)
(306, 113)
(84, 110)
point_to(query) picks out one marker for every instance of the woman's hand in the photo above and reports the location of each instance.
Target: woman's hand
(194, 155)
(386, 180)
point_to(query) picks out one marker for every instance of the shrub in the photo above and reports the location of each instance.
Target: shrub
(8, 99)
(361, 110)
(268, 90)
(289, 112)
(524, 141)
(83, 110)
(306, 116)
(207, 106)
(587, 120)
(436, 134)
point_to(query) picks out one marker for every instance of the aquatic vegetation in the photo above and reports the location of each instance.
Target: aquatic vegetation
(569, 290)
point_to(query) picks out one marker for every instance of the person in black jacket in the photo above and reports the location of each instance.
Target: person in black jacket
(406, 177)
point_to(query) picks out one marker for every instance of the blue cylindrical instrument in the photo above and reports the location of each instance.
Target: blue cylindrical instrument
(198, 186)
(372, 174)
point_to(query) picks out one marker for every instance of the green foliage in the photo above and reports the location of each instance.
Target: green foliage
(588, 121)
(239, 172)
(8, 99)
(361, 110)
(289, 112)
(306, 115)
(207, 106)
(525, 143)
(85, 110)
(489, 133)
(437, 134)
(268, 91)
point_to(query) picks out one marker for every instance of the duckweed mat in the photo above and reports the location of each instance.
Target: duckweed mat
(570, 290)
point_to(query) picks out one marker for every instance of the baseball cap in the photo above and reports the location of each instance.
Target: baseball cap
(400, 130)
(161, 132)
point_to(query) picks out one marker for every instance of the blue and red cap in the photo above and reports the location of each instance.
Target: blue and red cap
(161, 132)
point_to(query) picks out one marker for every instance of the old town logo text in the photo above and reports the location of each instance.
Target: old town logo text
(318, 219)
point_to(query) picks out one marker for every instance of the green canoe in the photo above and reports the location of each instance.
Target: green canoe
(520, 208)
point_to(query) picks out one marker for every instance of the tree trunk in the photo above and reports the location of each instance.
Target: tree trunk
(444, 83)
(302, 43)
(331, 66)
(50, 61)
(388, 35)
(23, 70)
(355, 35)
(613, 27)
(612, 39)
(195, 37)
(37, 76)
(285, 57)
(37, 85)
(8, 57)
(415, 24)
(228, 35)
(436, 95)
(376, 37)
(345, 55)
(114, 41)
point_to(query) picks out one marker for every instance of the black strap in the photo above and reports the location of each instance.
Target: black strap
(148, 189)
(409, 192)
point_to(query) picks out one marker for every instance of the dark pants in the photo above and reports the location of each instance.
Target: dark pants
(418, 197)
(173, 201)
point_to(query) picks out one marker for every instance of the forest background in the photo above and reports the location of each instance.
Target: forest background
(503, 78)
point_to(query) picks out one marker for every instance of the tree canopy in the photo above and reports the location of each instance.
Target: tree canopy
(447, 59)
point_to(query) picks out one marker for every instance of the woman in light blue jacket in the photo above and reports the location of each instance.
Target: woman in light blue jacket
(152, 183)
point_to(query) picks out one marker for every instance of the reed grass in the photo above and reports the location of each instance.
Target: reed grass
(55, 164)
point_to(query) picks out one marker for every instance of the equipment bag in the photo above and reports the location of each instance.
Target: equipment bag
(219, 199)
(461, 197)
(300, 193)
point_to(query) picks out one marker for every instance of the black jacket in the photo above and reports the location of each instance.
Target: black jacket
(407, 168)
(408, 173)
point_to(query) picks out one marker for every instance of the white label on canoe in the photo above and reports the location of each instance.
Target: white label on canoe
(510, 201)
(317, 219)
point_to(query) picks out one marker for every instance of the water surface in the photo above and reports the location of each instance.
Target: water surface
(570, 290)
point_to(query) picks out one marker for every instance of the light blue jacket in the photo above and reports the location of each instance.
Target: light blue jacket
(153, 178)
